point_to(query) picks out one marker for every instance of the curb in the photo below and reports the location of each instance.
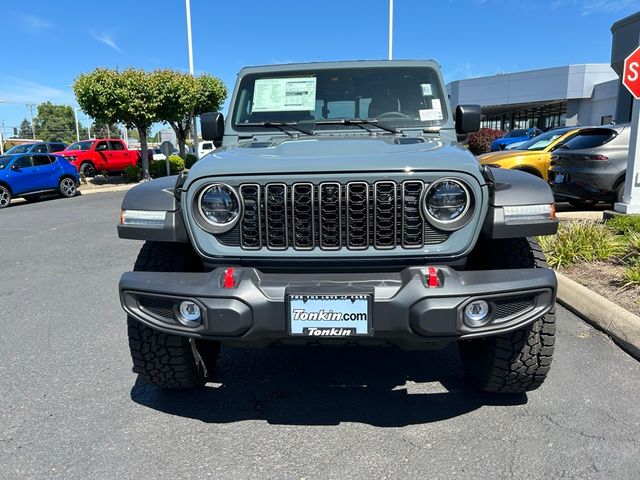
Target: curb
(115, 188)
(620, 324)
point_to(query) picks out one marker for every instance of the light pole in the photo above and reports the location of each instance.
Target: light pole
(390, 29)
(75, 114)
(190, 47)
(33, 127)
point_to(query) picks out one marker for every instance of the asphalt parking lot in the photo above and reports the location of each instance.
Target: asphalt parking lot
(71, 408)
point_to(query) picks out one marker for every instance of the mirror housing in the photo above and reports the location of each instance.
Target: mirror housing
(212, 125)
(467, 118)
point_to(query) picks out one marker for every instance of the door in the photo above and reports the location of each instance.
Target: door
(102, 156)
(118, 155)
(47, 171)
(23, 176)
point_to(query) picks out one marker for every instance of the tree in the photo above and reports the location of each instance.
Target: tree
(105, 131)
(131, 96)
(55, 123)
(183, 96)
(25, 130)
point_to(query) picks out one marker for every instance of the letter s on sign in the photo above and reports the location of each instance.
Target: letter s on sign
(633, 68)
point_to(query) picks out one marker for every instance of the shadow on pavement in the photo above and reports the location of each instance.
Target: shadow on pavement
(325, 386)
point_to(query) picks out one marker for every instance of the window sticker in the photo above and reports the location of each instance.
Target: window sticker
(427, 91)
(430, 114)
(284, 94)
(435, 104)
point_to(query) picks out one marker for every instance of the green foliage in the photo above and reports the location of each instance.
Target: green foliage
(581, 241)
(480, 142)
(631, 274)
(25, 130)
(633, 240)
(624, 224)
(158, 168)
(133, 173)
(55, 123)
(190, 160)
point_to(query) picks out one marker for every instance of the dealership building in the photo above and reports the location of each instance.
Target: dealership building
(586, 94)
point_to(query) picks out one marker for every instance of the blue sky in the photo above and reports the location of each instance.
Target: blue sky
(48, 43)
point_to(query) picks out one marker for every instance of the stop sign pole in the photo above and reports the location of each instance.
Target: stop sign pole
(631, 79)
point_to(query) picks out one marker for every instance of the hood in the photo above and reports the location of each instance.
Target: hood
(509, 140)
(336, 154)
(494, 157)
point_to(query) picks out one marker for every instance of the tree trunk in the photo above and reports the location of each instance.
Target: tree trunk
(142, 131)
(181, 130)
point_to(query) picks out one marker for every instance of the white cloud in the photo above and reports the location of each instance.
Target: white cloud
(19, 90)
(34, 24)
(589, 7)
(106, 39)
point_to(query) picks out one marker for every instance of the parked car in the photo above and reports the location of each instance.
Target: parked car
(357, 230)
(532, 156)
(517, 135)
(30, 175)
(37, 147)
(591, 166)
(105, 154)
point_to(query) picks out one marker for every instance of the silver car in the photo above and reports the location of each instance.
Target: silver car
(591, 166)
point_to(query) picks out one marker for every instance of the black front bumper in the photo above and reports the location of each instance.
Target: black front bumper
(405, 311)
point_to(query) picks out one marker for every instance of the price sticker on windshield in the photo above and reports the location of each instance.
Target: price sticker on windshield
(284, 94)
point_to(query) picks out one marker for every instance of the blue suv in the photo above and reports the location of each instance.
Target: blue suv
(30, 175)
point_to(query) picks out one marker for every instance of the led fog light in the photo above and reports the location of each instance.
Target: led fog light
(189, 314)
(476, 314)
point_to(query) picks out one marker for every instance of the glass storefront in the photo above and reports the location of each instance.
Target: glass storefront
(544, 117)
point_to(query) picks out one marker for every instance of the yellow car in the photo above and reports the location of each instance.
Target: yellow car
(532, 156)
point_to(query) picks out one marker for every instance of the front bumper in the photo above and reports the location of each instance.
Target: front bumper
(405, 312)
(577, 185)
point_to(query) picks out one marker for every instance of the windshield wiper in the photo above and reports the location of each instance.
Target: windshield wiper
(360, 122)
(279, 125)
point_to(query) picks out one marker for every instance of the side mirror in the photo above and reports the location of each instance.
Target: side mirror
(212, 124)
(16, 168)
(467, 118)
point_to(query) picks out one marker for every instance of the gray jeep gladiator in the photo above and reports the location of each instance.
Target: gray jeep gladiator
(339, 209)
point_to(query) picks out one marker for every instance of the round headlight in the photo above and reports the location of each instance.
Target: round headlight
(446, 202)
(219, 205)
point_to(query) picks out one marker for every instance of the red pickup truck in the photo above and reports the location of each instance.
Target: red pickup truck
(104, 154)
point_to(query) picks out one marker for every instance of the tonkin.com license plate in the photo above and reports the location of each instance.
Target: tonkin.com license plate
(329, 315)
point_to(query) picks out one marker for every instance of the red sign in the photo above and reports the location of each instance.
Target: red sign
(631, 73)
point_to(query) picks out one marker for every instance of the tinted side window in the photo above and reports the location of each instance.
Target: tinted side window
(101, 146)
(116, 146)
(41, 160)
(23, 162)
(40, 148)
(56, 147)
(590, 139)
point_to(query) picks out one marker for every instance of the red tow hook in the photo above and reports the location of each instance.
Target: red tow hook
(433, 279)
(229, 280)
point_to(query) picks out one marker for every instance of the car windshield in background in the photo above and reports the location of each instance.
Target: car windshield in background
(516, 133)
(396, 97)
(86, 145)
(19, 149)
(4, 161)
(541, 141)
(591, 138)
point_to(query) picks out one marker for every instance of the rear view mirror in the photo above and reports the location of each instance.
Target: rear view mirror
(212, 124)
(467, 118)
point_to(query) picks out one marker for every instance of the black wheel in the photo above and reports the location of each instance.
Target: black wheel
(67, 187)
(34, 197)
(164, 360)
(88, 170)
(620, 192)
(5, 196)
(517, 361)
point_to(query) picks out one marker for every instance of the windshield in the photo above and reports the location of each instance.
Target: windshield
(396, 96)
(542, 141)
(85, 145)
(20, 148)
(4, 161)
(516, 133)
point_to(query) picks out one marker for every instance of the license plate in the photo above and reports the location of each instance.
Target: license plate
(342, 315)
(559, 178)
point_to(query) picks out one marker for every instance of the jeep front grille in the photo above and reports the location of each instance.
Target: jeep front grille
(332, 215)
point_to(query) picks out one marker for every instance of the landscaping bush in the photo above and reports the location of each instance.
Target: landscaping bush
(632, 274)
(158, 168)
(132, 172)
(581, 241)
(480, 142)
(190, 160)
(625, 224)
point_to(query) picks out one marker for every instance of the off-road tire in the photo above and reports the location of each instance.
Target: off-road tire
(164, 360)
(517, 361)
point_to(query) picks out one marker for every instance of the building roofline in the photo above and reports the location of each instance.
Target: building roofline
(531, 70)
(635, 17)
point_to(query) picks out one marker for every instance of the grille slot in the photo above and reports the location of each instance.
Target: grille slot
(507, 307)
(330, 215)
(158, 307)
